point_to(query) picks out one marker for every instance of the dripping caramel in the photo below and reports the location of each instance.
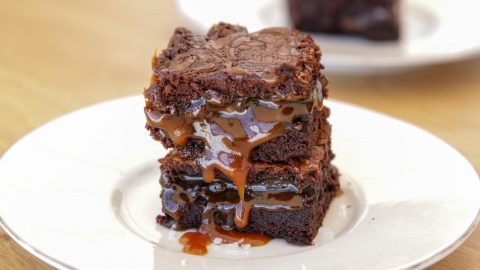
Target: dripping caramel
(230, 133)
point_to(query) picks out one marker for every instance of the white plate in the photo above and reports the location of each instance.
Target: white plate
(82, 192)
(433, 31)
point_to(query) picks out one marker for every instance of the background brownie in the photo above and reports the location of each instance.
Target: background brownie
(229, 64)
(374, 19)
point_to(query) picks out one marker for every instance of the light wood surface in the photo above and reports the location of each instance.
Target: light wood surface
(60, 55)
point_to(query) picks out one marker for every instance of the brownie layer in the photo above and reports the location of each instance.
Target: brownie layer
(373, 19)
(295, 171)
(300, 137)
(298, 226)
(230, 64)
(288, 201)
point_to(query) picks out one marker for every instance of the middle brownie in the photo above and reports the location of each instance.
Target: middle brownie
(299, 139)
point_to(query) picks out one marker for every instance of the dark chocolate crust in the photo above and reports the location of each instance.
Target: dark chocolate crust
(301, 136)
(230, 64)
(373, 19)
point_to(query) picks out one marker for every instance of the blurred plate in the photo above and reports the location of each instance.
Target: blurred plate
(433, 31)
(82, 192)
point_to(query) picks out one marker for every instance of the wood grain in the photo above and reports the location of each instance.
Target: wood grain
(60, 55)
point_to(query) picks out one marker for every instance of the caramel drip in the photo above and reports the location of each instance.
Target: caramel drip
(228, 236)
(195, 243)
(230, 133)
(178, 127)
(242, 213)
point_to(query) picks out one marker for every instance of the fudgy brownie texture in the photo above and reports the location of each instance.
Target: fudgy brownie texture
(315, 181)
(296, 171)
(230, 64)
(373, 19)
(301, 135)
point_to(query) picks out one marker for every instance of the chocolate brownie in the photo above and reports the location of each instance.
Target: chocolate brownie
(244, 115)
(230, 64)
(286, 201)
(373, 19)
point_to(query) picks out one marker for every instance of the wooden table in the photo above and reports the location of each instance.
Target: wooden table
(60, 55)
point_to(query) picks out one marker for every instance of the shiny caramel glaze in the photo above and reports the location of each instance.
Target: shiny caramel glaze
(196, 242)
(230, 133)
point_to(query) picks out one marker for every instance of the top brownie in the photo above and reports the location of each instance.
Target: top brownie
(229, 64)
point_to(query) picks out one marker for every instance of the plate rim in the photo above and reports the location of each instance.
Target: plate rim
(430, 260)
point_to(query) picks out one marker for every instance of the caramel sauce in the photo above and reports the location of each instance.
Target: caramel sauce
(209, 227)
(195, 243)
(230, 133)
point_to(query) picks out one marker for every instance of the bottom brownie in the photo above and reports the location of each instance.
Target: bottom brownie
(286, 201)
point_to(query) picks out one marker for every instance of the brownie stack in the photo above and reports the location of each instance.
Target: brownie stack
(373, 19)
(250, 140)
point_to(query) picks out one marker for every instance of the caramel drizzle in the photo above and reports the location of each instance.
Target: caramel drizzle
(228, 236)
(221, 201)
(196, 242)
(230, 133)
